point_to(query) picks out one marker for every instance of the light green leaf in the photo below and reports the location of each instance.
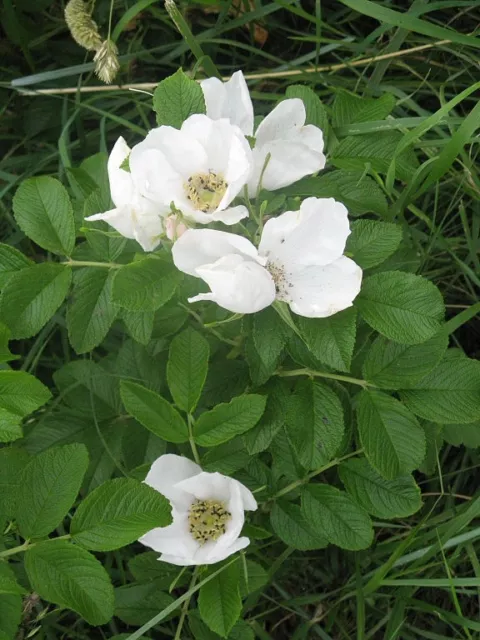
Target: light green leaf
(154, 412)
(176, 98)
(44, 212)
(31, 297)
(371, 242)
(450, 393)
(382, 498)
(139, 324)
(70, 577)
(389, 365)
(21, 393)
(391, 437)
(219, 600)
(253, 577)
(91, 313)
(187, 368)
(10, 607)
(5, 354)
(136, 604)
(331, 340)
(145, 285)
(375, 150)
(10, 426)
(49, 486)
(228, 420)
(291, 527)
(12, 463)
(349, 108)
(358, 192)
(402, 306)
(314, 422)
(117, 513)
(333, 514)
(316, 113)
(11, 261)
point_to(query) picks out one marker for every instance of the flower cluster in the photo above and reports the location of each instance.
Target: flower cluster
(178, 178)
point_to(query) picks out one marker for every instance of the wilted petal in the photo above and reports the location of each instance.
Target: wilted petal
(199, 247)
(237, 284)
(316, 234)
(321, 291)
(230, 100)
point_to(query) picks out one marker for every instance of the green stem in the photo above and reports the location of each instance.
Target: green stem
(87, 263)
(186, 604)
(12, 552)
(298, 483)
(191, 439)
(324, 374)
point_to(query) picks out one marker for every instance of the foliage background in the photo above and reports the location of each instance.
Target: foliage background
(332, 594)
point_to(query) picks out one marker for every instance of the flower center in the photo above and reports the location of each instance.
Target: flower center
(205, 190)
(280, 279)
(207, 520)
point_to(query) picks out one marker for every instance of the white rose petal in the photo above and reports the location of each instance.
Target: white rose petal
(135, 216)
(229, 100)
(299, 261)
(185, 485)
(200, 168)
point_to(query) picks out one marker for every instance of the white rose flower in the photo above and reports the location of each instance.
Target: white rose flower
(134, 216)
(299, 261)
(201, 168)
(207, 511)
(296, 149)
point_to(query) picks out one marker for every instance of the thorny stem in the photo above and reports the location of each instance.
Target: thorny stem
(298, 483)
(324, 374)
(191, 439)
(185, 606)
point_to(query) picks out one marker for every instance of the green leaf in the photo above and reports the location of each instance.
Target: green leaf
(12, 463)
(71, 577)
(153, 412)
(5, 354)
(333, 514)
(391, 437)
(176, 98)
(139, 324)
(331, 340)
(31, 297)
(8, 584)
(228, 420)
(117, 513)
(106, 244)
(10, 426)
(259, 438)
(253, 578)
(382, 498)
(136, 604)
(10, 608)
(291, 527)
(372, 242)
(146, 568)
(43, 211)
(91, 312)
(270, 335)
(457, 434)
(316, 113)
(349, 108)
(402, 306)
(389, 365)
(375, 151)
(227, 457)
(11, 261)
(145, 285)
(450, 393)
(49, 486)
(21, 393)
(314, 422)
(358, 192)
(219, 600)
(187, 368)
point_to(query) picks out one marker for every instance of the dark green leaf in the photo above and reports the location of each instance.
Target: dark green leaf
(372, 242)
(219, 600)
(291, 527)
(176, 98)
(187, 368)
